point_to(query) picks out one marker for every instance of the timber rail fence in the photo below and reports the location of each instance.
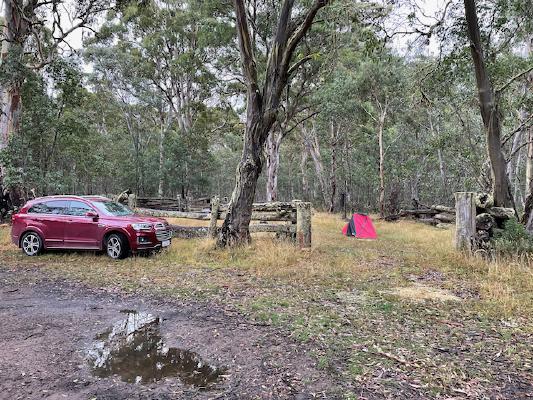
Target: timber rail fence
(295, 218)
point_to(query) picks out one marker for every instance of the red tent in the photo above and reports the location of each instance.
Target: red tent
(360, 226)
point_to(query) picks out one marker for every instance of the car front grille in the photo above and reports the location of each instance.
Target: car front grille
(162, 232)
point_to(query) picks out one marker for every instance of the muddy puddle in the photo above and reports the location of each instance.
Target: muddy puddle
(134, 350)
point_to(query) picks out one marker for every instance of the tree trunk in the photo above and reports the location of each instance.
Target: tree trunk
(518, 194)
(513, 161)
(261, 108)
(489, 110)
(235, 227)
(313, 148)
(11, 110)
(381, 164)
(17, 14)
(161, 158)
(165, 126)
(273, 147)
(303, 171)
(529, 157)
(8, 34)
(442, 168)
(528, 133)
(15, 32)
(334, 141)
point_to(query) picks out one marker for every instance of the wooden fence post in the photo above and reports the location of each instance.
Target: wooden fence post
(215, 208)
(303, 224)
(132, 201)
(465, 221)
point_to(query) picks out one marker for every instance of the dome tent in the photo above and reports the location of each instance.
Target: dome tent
(360, 226)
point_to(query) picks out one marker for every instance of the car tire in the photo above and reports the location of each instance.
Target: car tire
(31, 244)
(116, 246)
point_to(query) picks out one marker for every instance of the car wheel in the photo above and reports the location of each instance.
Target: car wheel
(31, 244)
(116, 246)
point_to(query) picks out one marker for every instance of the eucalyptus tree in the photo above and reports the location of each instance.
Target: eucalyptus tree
(490, 112)
(295, 111)
(263, 96)
(173, 52)
(33, 33)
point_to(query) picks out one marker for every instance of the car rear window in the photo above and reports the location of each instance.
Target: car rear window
(58, 207)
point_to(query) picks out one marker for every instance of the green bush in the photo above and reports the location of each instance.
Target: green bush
(513, 239)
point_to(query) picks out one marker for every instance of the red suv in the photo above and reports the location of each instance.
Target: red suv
(86, 223)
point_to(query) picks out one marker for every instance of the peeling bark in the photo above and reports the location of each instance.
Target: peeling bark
(273, 148)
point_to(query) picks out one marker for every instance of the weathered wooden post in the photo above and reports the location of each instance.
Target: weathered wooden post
(215, 208)
(132, 201)
(303, 224)
(465, 221)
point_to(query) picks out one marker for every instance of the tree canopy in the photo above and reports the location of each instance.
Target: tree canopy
(376, 103)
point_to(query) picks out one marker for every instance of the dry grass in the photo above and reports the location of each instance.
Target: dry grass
(423, 292)
(365, 307)
(187, 222)
(403, 250)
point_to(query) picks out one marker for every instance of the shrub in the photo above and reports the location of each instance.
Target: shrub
(513, 239)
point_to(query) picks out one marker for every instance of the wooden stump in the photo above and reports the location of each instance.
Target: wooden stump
(215, 207)
(303, 224)
(132, 201)
(465, 221)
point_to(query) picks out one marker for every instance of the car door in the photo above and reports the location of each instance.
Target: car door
(50, 218)
(81, 231)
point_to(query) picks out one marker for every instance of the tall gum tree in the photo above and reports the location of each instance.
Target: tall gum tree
(262, 103)
(32, 33)
(490, 113)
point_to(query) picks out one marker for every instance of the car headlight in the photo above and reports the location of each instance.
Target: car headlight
(142, 227)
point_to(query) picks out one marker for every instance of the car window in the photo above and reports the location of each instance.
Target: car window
(39, 208)
(78, 208)
(56, 207)
(112, 208)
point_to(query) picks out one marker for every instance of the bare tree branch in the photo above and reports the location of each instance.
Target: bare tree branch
(514, 78)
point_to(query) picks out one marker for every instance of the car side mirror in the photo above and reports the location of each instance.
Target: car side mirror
(92, 214)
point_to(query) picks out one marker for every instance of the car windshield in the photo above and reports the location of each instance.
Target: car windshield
(111, 208)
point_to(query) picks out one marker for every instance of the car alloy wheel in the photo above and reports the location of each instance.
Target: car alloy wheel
(116, 248)
(31, 244)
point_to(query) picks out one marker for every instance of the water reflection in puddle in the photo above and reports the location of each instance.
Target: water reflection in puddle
(134, 350)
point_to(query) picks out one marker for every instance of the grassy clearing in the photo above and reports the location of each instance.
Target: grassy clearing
(439, 323)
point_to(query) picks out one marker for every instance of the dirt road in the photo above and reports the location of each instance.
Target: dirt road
(50, 331)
